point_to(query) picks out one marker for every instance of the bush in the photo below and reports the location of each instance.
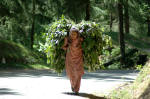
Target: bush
(16, 53)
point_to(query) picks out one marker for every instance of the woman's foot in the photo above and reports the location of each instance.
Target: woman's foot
(76, 93)
(72, 89)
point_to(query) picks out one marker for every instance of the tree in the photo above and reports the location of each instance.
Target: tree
(33, 23)
(110, 6)
(126, 17)
(148, 17)
(148, 21)
(87, 10)
(145, 12)
(121, 33)
(110, 9)
(111, 21)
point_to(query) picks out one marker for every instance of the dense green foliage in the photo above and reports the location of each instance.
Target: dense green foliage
(16, 28)
(24, 21)
(94, 42)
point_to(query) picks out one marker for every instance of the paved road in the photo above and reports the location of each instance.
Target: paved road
(44, 84)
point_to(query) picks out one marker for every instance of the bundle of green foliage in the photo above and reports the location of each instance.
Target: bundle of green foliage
(94, 43)
(16, 53)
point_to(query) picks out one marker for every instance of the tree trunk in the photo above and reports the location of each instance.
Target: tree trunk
(121, 34)
(87, 10)
(111, 21)
(126, 18)
(148, 23)
(33, 24)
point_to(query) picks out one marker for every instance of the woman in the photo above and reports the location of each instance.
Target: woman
(74, 58)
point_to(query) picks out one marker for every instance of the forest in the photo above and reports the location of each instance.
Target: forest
(120, 36)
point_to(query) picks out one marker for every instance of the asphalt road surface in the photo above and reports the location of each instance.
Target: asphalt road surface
(45, 84)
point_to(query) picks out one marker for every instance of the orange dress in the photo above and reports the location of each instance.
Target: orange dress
(74, 62)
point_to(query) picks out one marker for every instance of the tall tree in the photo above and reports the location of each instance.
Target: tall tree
(126, 17)
(33, 23)
(145, 11)
(148, 21)
(111, 21)
(148, 17)
(110, 6)
(121, 33)
(87, 17)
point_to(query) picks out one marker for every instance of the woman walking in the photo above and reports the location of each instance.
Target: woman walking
(74, 58)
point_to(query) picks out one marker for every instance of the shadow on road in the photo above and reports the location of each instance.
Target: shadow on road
(7, 91)
(108, 75)
(90, 96)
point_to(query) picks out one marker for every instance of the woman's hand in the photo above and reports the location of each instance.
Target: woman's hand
(81, 39)
(65, 46)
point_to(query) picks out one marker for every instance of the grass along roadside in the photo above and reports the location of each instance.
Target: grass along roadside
(24, 66)
(139, 89)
